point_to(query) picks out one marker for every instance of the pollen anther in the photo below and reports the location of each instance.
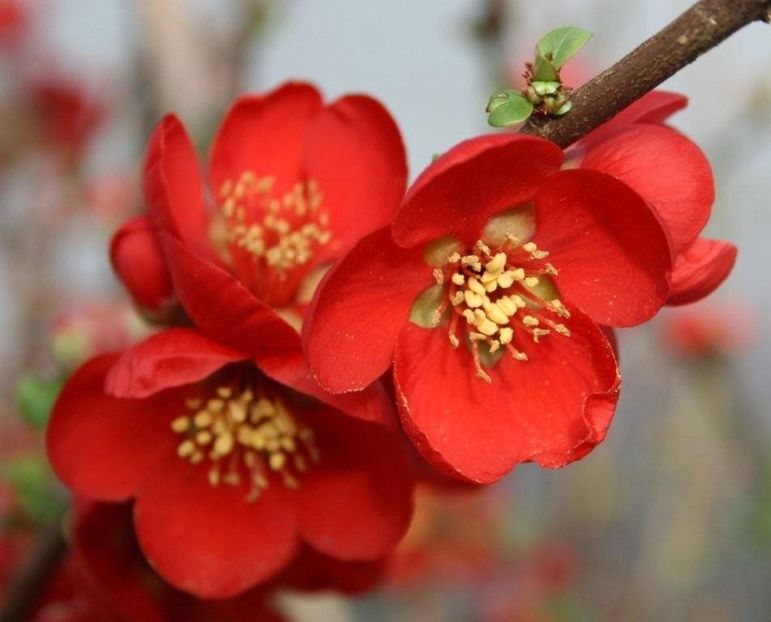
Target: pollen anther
(493, 290)
(251, 433)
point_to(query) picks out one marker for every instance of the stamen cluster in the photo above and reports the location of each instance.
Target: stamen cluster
(256, 433)
(495, 292)
(283, 232)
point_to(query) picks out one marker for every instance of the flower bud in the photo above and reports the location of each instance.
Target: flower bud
(138, 260)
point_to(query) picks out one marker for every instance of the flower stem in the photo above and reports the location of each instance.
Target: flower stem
(700, 28)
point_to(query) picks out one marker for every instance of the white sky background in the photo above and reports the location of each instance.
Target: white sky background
(417, 57)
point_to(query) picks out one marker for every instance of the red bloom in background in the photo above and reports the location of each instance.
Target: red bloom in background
(230, 471)
(294, 184)
(489, 291)
(709, 330)
(13, 22)
(66, 116)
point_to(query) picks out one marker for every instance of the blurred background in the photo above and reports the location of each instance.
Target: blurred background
(669, 519)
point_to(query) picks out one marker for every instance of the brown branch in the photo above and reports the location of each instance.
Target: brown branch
(700, 28)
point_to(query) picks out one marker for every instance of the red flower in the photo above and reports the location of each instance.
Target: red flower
(667, 170)
(295, 185)
(704, 330)
(488, 292)
(230, 471)
(66, 116)
(13, 22)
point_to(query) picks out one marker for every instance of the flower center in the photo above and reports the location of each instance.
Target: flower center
(500, 296)
(271, 241)
(248, 438)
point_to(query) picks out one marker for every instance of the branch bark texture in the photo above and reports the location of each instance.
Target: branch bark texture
(700, 28)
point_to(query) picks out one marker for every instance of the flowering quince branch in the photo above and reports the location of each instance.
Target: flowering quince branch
(703, 26)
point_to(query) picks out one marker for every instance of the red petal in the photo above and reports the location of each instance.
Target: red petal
(223, 308)
(357, 503)
(208, 540)
(459, 192)
(265, 134)
(700, 269)
(137, 259)
(311, 571)
(666, 169)
(103, 447)
(172, 358)
(609, 247)
(173, 184)
(356, 154)
(543, 409)
(351, 328)
(371, 404)
(655, 108)
(103, 542)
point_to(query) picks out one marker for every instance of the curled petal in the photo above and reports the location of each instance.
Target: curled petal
(611, 251)
(223, 308)
(700, 269)
(172, 358)
(666, 169)
(461, 190)
(173, 184)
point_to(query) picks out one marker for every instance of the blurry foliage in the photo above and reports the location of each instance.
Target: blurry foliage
(39, 497)
(36, 397)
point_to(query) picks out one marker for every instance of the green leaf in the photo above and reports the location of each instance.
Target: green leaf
(38, 494)
(507, 108)
(560, 45)
(543, 69)
(35, 397)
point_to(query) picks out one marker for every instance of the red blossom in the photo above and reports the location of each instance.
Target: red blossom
(65, 115)
(709, 330)
(229, 470)
(289, 199)
(491, 289)
(13, 22)
(295, 184)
